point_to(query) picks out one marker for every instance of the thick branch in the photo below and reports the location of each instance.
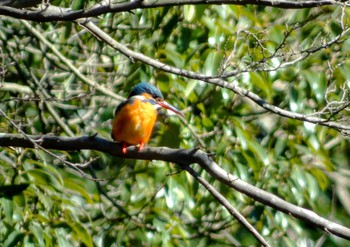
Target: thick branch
(182, 157)
(53, 13)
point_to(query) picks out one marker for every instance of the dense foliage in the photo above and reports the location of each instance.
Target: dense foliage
(64, 81)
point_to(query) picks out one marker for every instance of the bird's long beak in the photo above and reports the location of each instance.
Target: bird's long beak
(166, 105)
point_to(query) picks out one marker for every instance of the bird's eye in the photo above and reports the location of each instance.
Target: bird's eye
(158, 99)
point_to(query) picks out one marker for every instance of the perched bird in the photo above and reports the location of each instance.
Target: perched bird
(135, 117)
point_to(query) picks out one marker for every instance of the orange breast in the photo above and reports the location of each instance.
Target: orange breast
(133, 123)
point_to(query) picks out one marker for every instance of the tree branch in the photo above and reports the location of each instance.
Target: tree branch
(52, 13)
(224, 202)
(221, 82)
(69, 64)
(179, 156)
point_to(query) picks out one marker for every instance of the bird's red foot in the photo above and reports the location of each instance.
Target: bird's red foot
(142, 145)
(124, 148)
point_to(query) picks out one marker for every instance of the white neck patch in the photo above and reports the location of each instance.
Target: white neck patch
(142, 98)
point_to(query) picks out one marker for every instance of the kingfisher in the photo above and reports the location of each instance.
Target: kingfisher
(135, 117)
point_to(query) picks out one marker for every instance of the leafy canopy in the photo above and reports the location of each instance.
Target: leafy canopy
(287, 57)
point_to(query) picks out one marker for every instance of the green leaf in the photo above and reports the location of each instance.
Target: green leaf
(77, 187)
(37, 231)
(336, 28)
(277, 34)
(281, 144)
(262, 83)
(320, 177)
(317, 83)
(45, 178)
(173, 57)
(77, 4)
(189, 12)
(213, 63)
(295, 101)
(61, 235)
(7, 205)
(81, 234)
(190, 88)
(14, 238)
(207, 123)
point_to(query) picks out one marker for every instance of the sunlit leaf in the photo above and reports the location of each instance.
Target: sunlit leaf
(44, 178)
(14, 238)
(76, 186)
(7, 206)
